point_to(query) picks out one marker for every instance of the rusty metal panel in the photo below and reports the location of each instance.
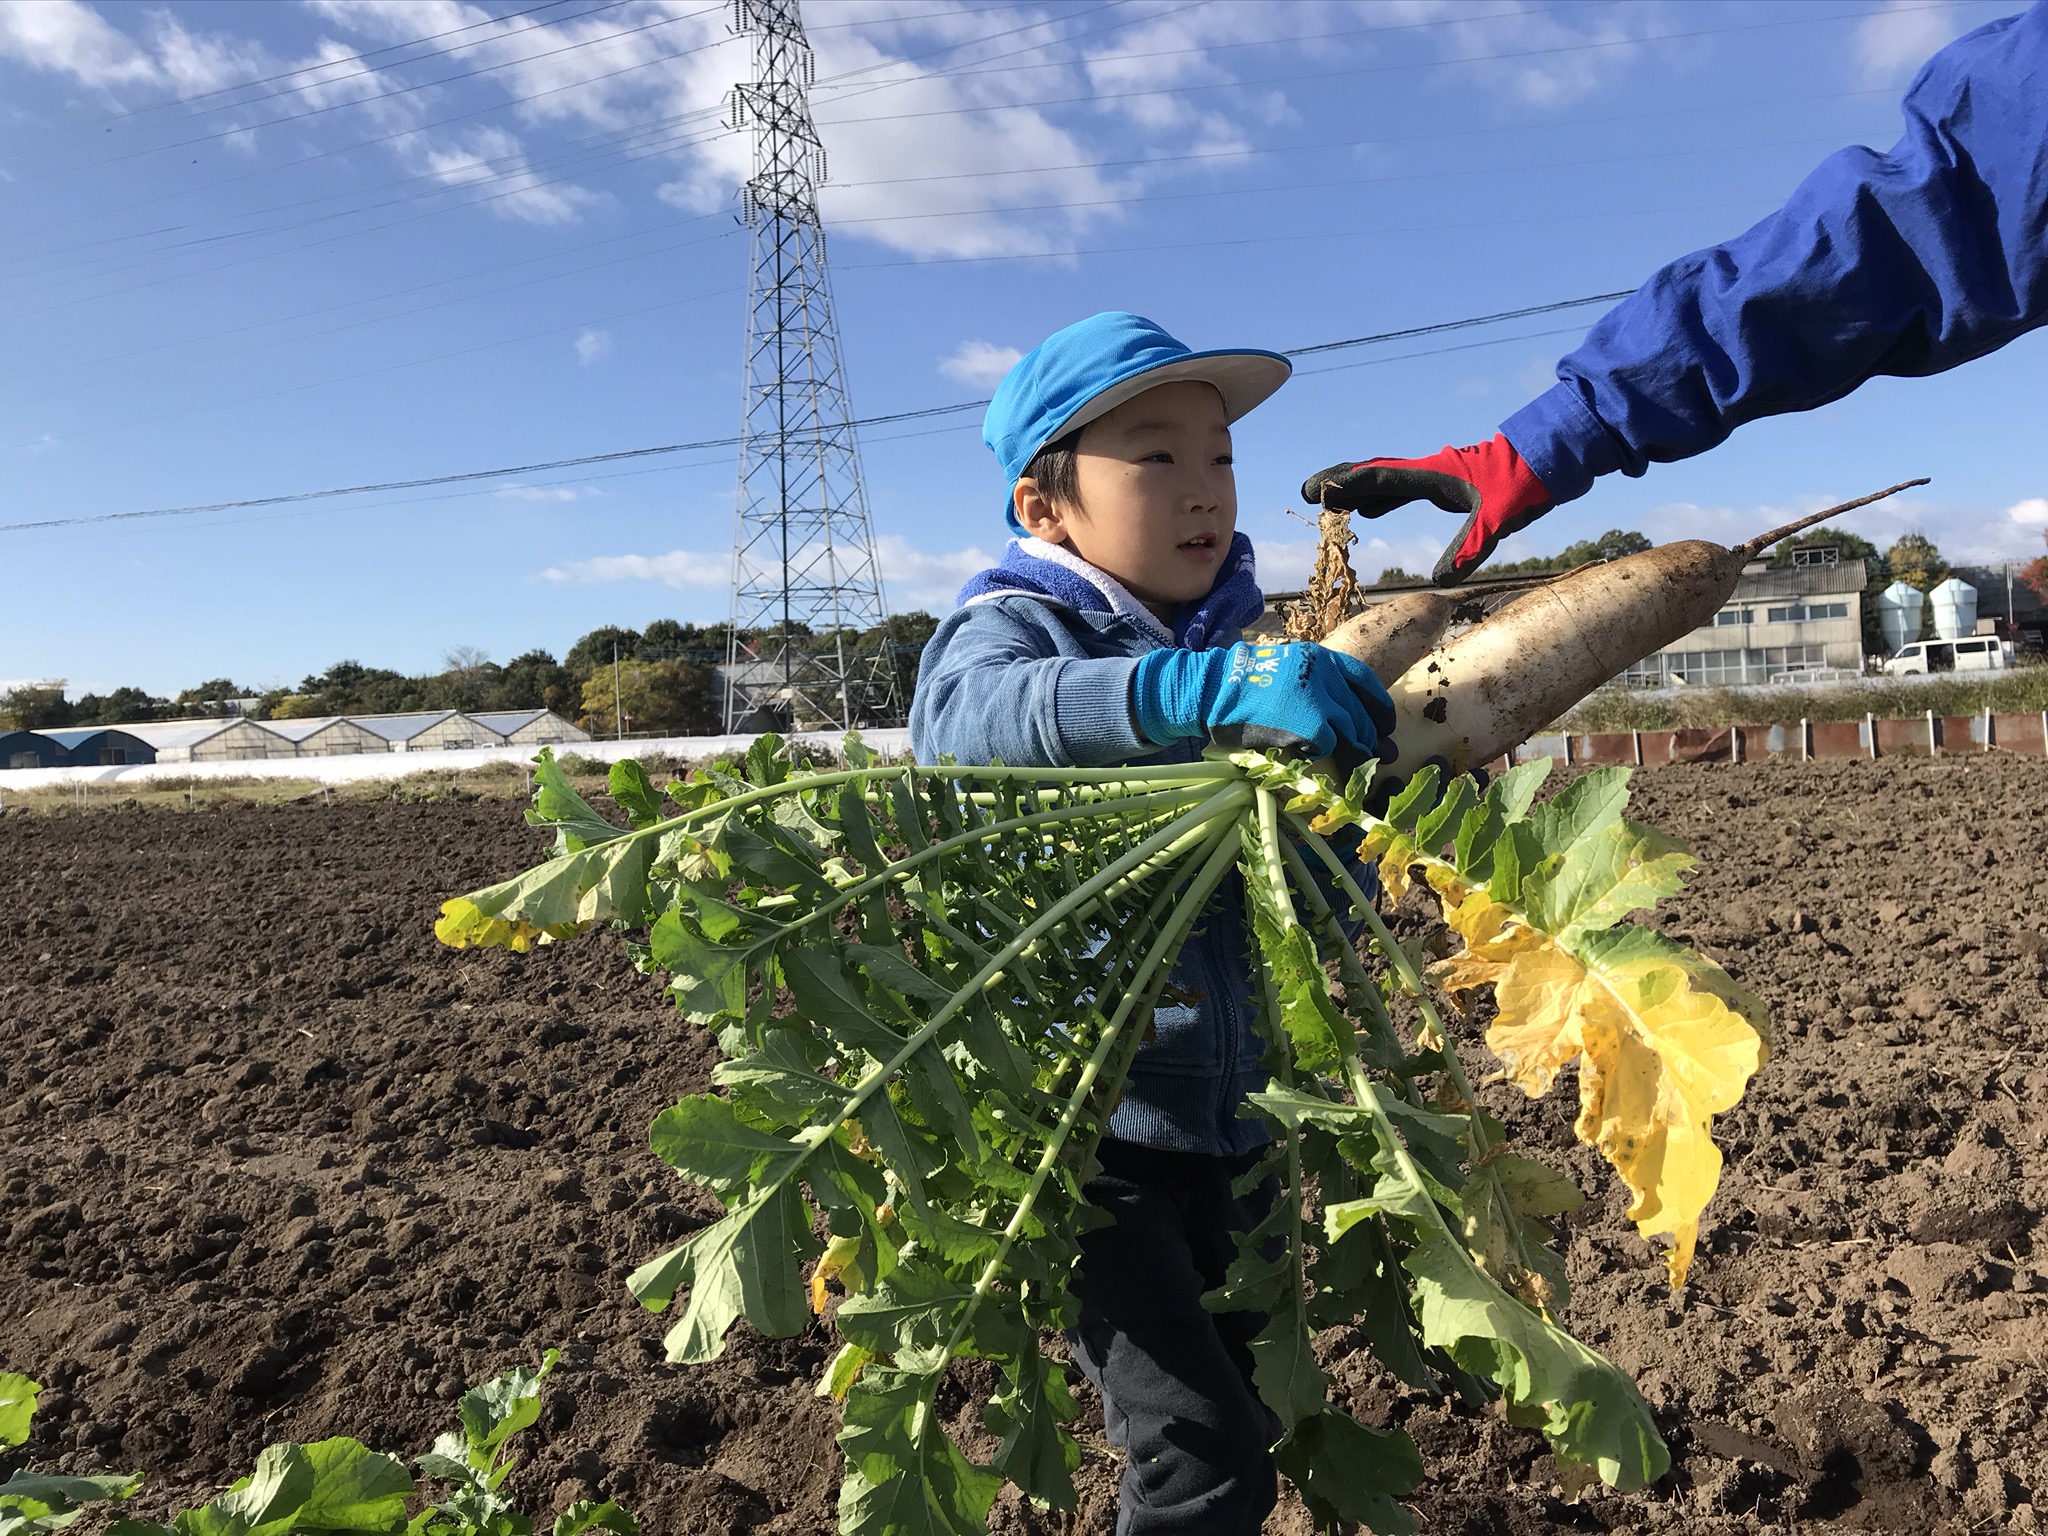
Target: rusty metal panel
(2020, 733)
(1959, 733)
(1838, 738)
(1702, 746)
(1903, 738)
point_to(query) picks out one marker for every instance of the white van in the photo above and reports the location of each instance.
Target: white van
(1979, 653)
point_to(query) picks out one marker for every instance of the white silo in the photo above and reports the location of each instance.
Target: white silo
(1899, 610)
(1955, 609)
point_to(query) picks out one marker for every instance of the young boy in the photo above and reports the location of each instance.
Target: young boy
(1109, 635)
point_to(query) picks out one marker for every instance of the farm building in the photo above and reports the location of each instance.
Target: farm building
(327, 736)
(210, 741)
(530, 727)
(29, 749)
(1780, 623)
(430, 730)
(102, 746)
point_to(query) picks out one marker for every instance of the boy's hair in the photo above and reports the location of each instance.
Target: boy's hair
(1056, 471)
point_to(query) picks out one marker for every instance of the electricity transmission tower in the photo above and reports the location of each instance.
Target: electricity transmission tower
(805, 581)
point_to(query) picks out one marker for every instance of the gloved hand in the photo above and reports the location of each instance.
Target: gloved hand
(1488, 481)
(1292, 697)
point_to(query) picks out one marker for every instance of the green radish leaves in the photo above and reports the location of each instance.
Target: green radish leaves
(928, 985)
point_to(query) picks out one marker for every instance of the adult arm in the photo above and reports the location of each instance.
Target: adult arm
(1908, 263)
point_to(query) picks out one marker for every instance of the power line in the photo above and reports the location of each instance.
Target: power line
(1256, 190)
(620, 455)
(1205, 193)
(383, 96)
(112, 120)
(1380, 140)
(1212, 244)
(697, 114)
(639, 152)
(1406, 67)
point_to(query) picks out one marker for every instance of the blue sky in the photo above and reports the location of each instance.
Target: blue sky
(516, 243)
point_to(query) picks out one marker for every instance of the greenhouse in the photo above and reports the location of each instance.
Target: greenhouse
(327, 736)
(530, 727)
(101, 746)
(30, 749)
(428, 731)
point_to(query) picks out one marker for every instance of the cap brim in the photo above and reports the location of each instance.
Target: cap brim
(1245, 380)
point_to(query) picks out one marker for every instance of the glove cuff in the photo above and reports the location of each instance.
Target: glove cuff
(1166, 695)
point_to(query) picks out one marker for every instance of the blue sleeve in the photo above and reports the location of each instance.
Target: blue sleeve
(1008, 679)
(1906, 263)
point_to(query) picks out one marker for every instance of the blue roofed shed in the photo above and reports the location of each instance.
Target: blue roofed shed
(101, 746)
(29, 749)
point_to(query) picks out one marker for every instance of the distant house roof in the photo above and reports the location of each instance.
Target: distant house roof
(1801, 580)
(402, 727)
(78, 735)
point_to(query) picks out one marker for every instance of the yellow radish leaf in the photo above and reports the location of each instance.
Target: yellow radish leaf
(555, 900)
(1604, 876)
(1658, 1054)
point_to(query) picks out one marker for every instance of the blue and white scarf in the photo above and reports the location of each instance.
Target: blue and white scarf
(1054, 573)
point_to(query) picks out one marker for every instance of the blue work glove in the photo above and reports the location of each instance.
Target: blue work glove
(1292, 697)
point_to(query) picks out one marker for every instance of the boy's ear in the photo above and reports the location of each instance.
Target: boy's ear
(1040, 516)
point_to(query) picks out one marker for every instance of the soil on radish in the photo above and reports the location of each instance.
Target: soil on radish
(274, 1165)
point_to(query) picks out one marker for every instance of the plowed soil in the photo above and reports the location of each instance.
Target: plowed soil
(274, 1165)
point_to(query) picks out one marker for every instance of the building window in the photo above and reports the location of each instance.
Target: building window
(1800, 613)
(1780, 659)
(1728, 616)
(1716, 669)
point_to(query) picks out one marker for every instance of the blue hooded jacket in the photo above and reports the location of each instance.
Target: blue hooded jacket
(1032, 680)
(1908, 262)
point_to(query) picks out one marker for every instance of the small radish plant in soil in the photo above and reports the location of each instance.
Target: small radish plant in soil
(336, 1487)
(928, 984)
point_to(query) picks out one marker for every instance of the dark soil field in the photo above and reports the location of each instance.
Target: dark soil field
(273, 1165)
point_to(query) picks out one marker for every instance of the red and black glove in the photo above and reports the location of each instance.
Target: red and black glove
(1489, 482)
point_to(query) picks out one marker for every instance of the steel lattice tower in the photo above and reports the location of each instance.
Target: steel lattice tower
(803, 547)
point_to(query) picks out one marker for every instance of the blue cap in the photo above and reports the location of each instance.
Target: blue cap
(1095, 365)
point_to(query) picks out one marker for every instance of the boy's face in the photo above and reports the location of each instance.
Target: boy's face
(1158, 497)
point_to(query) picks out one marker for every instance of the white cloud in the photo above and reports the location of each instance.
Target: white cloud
(915, 578)
(1972, 535)
(538, 492)
(1891, 44)
(980, 363)
(683, 569)
(926, 157)
(1543, 57)
(2031, 513)
(912, 577)
(70, 37)
(591, 345)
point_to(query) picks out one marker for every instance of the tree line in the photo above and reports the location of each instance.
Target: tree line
(657, 679)
(663, 681)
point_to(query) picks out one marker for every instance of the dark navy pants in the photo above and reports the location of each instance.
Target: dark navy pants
(1175, 1378)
